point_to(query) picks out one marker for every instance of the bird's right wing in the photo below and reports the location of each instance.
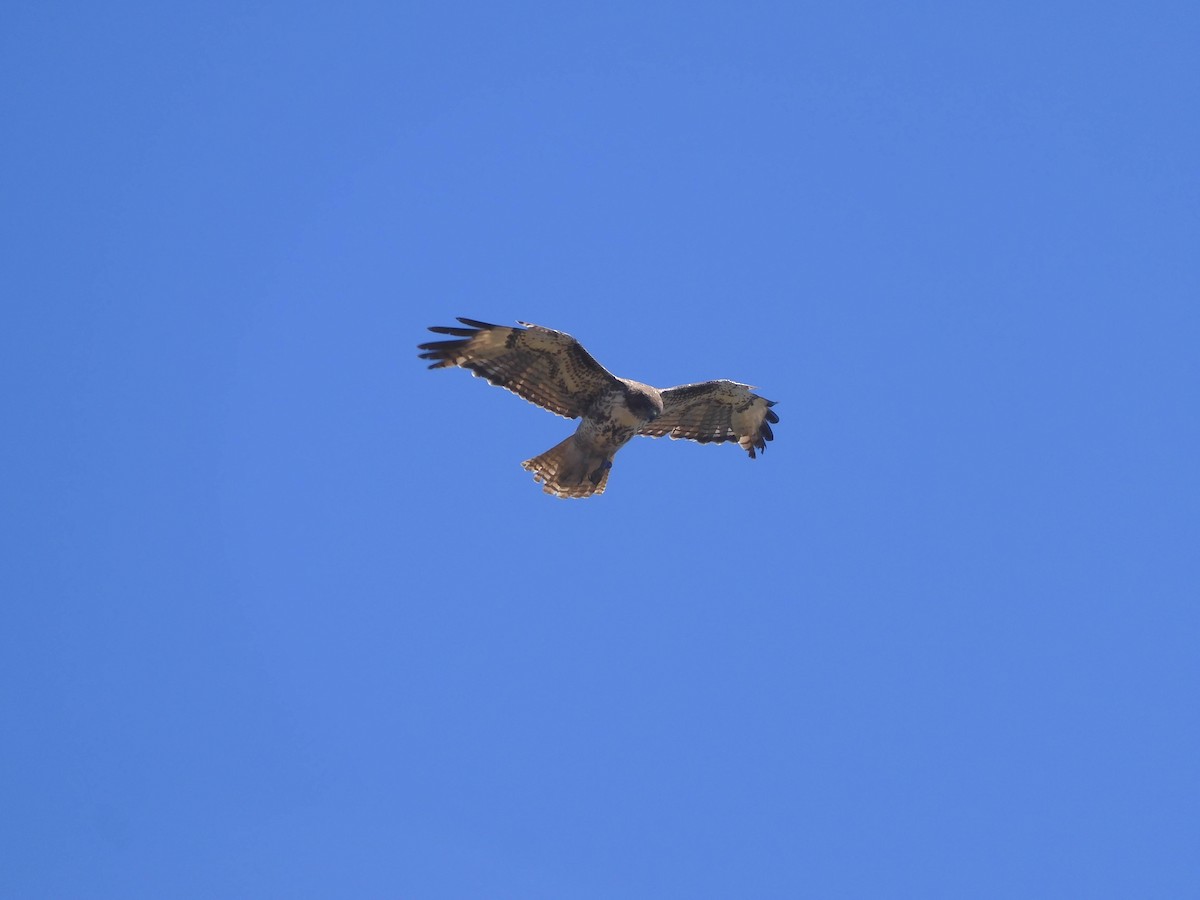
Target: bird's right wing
(546, 367)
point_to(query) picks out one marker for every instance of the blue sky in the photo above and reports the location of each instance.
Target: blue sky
(285, 617)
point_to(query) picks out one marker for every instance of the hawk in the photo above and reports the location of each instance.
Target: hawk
(551, 369)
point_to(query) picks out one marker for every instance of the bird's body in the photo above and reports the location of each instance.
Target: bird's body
(578, 467)
(551, 368)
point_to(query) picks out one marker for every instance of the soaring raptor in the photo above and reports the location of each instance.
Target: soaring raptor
(551, 368)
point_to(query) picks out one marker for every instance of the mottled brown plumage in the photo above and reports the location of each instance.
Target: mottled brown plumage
(551, 368)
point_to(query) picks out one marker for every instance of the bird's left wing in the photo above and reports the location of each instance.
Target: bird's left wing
(546, 367)
(715, 411)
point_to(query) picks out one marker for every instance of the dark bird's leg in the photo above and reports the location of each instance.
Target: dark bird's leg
(595, 477)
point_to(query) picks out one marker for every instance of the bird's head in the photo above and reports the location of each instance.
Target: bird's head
(646, 403)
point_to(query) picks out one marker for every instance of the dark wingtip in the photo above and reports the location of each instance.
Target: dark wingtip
(442, 346)
(444, 353)
(450, 329)
(475, 323)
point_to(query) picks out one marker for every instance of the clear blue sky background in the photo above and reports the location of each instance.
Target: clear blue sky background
(283, 616)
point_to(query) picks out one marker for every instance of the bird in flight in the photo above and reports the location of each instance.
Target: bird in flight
(551, 369)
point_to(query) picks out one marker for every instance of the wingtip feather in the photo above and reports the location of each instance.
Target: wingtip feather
(475, 323)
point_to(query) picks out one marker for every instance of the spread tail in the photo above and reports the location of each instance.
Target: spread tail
(570, 469)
